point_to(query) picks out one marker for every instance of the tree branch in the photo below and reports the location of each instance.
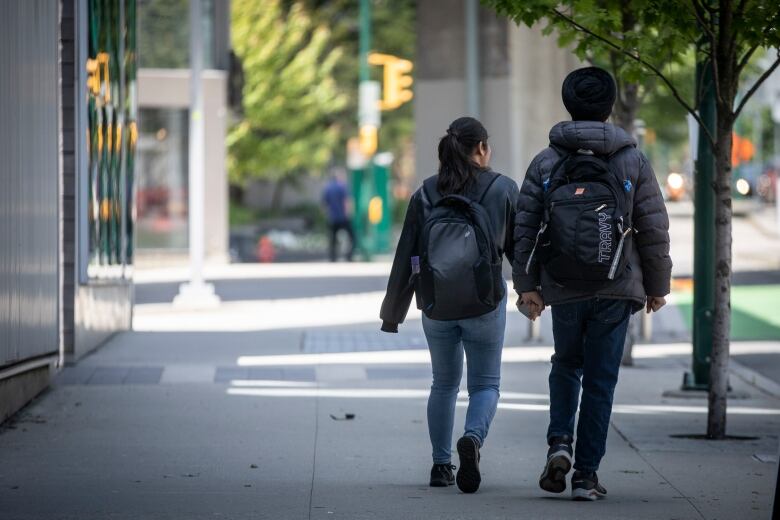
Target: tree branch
(698, 12)
(740, 8)
(756, 85)
(714, 46)
(675, 93)
(746, 58)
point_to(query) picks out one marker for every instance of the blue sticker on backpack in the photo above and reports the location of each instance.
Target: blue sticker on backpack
(627, 185)
(546, 185)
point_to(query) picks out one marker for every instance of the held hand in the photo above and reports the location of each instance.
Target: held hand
(534, 301)
(654, 303)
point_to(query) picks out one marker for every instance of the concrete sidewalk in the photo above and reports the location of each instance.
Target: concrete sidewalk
(211, 425)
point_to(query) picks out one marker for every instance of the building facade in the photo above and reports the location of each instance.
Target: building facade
(473, 62)
(69, 105)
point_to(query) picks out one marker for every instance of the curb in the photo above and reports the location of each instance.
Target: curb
(753, 378)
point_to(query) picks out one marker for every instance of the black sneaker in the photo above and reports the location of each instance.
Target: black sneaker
(468, 478)
(442, 476)
(585, 486)
(558, 464)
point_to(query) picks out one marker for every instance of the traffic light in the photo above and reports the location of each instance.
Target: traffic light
(368, 140)
(396, 88)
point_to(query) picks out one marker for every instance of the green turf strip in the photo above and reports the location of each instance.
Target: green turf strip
(755, 311)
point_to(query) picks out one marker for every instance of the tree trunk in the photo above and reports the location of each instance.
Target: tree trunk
(627, 102)
(624, 115)
(626, 107)
(721, 327)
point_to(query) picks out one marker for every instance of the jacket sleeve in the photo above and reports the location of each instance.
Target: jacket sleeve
(530, 208)
(512, 203)
(651, 225)
(399, 287)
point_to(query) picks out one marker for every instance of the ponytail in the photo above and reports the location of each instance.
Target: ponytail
(457, 171)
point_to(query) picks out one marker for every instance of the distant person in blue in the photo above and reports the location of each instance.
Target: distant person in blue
(335, 197)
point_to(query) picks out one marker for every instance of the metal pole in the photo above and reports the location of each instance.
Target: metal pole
(359, 177)
(776, 165)
(365, 38)
(196, 293)
(703, 236)
(471, 8)
(535, 330)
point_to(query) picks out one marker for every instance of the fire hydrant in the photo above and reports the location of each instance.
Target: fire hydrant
(265, 250)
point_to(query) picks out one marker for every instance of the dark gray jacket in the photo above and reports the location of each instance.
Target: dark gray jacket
(649, 267)
(500, 202)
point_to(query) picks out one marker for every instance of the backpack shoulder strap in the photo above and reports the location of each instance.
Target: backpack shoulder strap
(430, 190)
(613, 154)
(493, 179)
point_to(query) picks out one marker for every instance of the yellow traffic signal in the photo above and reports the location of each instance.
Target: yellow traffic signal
(396, 88)
(368, 140)
(375, 210)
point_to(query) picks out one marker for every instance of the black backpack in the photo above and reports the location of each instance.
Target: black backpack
(459, 265)
(584, 240)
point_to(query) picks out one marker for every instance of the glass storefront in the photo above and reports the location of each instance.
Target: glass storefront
(112, 134)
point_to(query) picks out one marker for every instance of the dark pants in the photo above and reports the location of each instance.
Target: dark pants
(589, 337)
(334, 230)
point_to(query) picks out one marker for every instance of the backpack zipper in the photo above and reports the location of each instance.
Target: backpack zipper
(619, 250)
(533, 251)
(578, 201)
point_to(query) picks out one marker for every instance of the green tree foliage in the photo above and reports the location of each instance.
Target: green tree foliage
(728, 33)
(637, 29)
(164, 39)
(291, 99)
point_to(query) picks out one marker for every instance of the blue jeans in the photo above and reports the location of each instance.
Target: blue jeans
(482, 338)
(589, 337)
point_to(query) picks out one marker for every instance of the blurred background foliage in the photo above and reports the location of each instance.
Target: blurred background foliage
(300, 61)
(291, 100)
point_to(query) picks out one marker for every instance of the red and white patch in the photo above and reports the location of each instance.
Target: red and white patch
(579, 191)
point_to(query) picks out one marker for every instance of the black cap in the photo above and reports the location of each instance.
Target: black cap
(589, 93)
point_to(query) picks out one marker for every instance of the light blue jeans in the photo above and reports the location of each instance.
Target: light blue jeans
(482, 338)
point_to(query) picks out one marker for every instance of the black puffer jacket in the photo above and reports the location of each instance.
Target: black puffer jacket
(501, 204)
(649, 268)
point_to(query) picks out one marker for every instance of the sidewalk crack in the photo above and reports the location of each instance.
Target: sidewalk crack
(314, 450)
(641, 456)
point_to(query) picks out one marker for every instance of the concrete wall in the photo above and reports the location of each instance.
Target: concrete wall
(169, 88)
(29, 192)
(521, 72)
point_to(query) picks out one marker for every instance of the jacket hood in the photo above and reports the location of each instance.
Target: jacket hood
(601, 138)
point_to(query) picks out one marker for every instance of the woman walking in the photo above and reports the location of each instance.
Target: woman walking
(458, 227)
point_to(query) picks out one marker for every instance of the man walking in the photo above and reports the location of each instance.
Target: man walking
(592, 241)
(335, 197)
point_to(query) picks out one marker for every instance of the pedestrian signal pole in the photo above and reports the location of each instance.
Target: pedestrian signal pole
(703, 233)
(370, 171)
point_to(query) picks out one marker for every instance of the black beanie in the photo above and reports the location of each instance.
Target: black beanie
(588, 94)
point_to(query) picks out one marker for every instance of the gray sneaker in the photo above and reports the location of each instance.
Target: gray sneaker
(585, 486)
(558, 464)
